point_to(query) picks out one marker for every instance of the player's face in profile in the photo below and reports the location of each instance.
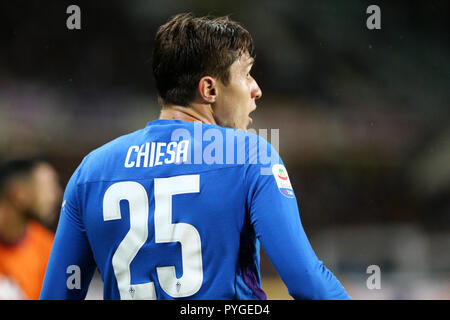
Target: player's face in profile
(236, 100)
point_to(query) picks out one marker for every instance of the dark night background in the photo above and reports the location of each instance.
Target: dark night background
(363, 114)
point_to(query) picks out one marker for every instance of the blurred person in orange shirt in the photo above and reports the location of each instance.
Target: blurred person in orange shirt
(29, 195)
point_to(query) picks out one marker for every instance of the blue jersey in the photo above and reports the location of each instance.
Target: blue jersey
(179, 210)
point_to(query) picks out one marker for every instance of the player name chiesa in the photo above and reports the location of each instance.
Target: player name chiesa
(152, 154)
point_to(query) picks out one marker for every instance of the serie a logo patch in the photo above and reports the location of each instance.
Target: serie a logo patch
(283, 182)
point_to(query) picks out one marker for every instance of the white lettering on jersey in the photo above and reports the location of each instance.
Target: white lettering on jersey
(143, 153)
(156, 153)
(131, 164)
(159, 153)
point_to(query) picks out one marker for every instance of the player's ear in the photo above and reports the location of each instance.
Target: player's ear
(207, 88)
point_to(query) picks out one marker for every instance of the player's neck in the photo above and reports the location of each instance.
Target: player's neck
(13, 224)
(192, 113)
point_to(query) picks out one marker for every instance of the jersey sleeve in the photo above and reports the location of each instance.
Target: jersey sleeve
(275, 218)
(71, 265)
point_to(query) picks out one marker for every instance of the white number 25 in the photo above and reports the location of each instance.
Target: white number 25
(165, 231)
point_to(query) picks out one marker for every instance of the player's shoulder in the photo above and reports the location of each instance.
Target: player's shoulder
(253, 140)
(100, 159)
(245, 147)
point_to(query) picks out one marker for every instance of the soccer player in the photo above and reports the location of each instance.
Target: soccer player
(179, 209)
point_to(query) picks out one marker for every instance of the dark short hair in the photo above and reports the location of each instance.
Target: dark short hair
(15, 169)
(188, 48)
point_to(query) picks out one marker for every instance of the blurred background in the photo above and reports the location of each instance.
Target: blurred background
(363, 116)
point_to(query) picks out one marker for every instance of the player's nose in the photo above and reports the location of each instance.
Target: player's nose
(256, 90)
